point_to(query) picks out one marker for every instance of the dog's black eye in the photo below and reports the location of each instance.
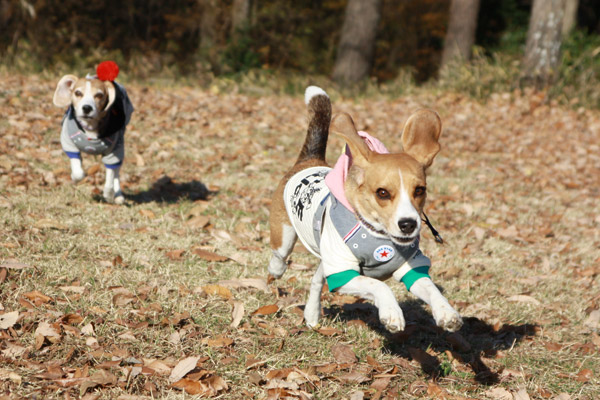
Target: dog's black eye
(383, 194)
(420, 191)
(78, 93)
(99, 96)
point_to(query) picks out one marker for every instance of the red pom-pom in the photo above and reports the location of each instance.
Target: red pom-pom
(107, 71)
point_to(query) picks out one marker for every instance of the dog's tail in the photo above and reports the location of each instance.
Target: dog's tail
(319, 114)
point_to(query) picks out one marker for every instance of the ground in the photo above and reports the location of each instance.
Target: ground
(167, 295)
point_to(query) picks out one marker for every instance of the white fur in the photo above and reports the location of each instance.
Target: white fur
(445, 315)
(77, 172)
(390, 313)
(112, 187)
(406, 210)
(277, 266)
(313, 91)
(312, 309)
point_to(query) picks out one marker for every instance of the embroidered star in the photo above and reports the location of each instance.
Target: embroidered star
(384, 254)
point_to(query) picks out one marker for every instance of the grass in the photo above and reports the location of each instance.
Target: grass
(514, 193)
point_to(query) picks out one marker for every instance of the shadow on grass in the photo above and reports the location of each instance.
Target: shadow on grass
(474, 339)
(165, 190)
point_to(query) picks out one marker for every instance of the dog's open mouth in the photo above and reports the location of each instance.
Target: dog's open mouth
(403, 240)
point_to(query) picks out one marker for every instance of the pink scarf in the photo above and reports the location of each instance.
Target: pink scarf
(336, 178)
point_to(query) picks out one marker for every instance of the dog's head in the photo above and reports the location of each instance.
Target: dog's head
(91, 98)
(388, 191)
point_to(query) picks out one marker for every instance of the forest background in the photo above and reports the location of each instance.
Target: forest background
(205, 39)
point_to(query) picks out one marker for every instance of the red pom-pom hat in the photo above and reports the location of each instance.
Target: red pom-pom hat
(107, 71)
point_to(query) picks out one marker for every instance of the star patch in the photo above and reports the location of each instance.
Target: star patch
(383, 253)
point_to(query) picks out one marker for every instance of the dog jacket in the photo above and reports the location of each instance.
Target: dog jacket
(332, 232)
(110, 144)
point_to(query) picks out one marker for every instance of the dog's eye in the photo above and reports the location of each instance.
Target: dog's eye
(78, 93)
(420, 191)
(99, 96)
(383, 194)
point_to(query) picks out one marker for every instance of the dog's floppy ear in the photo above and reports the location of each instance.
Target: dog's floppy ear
(343, 125)
(112, 93)
(62, 95)
(420, 136)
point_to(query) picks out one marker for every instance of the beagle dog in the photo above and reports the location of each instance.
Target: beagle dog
(94, 123)
(362, 218)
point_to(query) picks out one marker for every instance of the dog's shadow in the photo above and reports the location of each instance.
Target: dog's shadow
(166, 190)
(474, 339)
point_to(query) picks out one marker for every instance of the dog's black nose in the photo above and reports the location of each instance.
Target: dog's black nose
(407, 225)
(87, 109)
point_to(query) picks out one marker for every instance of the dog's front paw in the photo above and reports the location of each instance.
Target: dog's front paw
(447, 318)
(108, 194)
(77, 176)
(392, 318)
(311, 316)
(277, 266)
(119, 198)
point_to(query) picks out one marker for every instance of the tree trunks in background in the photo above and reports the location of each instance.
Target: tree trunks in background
(544, 38)
(357, 43)
(460, 36)
(570, 18)
(240, 15)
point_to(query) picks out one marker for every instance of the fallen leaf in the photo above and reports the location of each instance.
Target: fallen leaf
(219, 341)
(552, 346)
(37, 297)
(354, 377)
(256, 283)
(584, 375)
(329, 331)
(183, 367)
(46, 331)
(209, 255)
(148, 213)
(521, 395)
(499, 394)
(358, 395)
(237, 314)
(593, 320)
(8, 320)
(46, 223)
(217, 290)
(175, 254)
(266, 310)
(198, 222)
(343, 354)
(523, 298)
(14, 265)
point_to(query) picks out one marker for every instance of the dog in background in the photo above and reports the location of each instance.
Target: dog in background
(95, 122)
(363, 217)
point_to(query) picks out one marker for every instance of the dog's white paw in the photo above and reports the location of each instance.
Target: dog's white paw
(109, 194)
(447, 317)
(277, 266)
(311, 316)
(77, 176)
(392, 318)
(119, 198)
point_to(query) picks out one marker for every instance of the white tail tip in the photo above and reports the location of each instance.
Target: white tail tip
(311, 92)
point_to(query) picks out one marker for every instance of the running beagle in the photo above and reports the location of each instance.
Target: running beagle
(362, 218)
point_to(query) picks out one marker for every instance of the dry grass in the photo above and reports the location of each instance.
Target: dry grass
(514, 193)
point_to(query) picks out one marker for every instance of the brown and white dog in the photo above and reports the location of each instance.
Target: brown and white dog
(367, 232)
(94, 123)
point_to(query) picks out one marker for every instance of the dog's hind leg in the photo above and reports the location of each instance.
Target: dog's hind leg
(112, 186)
(312, 309)
(284, 248)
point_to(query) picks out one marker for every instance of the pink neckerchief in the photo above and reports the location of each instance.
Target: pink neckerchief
(336, 178)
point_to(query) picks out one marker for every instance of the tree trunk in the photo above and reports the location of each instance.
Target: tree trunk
(240, 15)
(208, 33)
(544, 37)
(570, 18)
(357, 42)
(460, 36)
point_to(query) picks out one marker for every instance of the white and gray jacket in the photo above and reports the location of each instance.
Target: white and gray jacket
(346, 248)
(110, 144)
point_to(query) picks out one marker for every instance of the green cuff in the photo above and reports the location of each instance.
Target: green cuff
(339, 279)
(413, 275)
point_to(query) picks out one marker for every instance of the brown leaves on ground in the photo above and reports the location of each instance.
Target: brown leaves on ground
(99, 300)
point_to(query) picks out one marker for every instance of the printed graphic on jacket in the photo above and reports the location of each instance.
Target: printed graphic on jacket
(305, 191)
